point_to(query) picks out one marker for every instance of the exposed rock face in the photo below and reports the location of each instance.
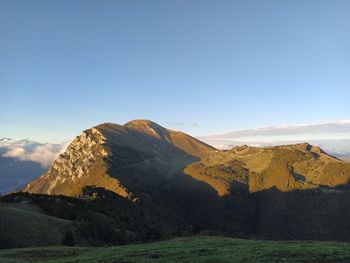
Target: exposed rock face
(82, 164)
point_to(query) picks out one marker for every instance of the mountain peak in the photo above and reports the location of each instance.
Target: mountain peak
(137, 124)
(306, 147)
(149, 127)
(141, 122)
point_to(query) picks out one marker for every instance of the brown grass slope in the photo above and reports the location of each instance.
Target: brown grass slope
(287, 168)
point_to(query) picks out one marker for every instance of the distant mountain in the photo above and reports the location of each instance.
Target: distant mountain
(140, 181)
(15, 173)
(21, 161)
(333, 137)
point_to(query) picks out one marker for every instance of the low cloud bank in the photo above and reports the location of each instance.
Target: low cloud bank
(328, 129)
(44, 154)
(331, 136)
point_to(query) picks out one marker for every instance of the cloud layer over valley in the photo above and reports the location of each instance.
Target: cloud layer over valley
(26, 150)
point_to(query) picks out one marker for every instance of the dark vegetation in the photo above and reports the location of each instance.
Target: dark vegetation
(101, 217)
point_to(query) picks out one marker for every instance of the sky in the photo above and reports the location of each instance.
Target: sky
(203, 67)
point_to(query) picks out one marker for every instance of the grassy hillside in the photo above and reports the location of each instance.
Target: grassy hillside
(191, 249)
(287, 168)
(26, 225)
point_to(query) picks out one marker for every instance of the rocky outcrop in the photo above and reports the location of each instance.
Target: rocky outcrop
(83, 164)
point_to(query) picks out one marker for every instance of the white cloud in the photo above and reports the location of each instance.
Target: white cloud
(17, 152)
(44, 154)
(332, 136)
(321, 130)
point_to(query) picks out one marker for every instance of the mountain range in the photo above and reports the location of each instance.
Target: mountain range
(140, 181)
(21, 161)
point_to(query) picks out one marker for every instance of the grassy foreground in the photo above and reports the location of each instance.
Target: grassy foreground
(190, 249)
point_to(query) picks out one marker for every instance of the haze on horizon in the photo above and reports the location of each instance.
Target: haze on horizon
(201, 67)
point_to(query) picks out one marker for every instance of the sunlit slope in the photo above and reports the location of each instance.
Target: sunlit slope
(287, 168)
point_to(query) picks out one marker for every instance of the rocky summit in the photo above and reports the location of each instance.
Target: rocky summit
(140, 181)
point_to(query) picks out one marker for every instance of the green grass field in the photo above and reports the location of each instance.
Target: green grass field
(190, 249)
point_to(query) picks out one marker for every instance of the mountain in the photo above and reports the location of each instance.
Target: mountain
(123, 159)
(140, 181)
(15, 174)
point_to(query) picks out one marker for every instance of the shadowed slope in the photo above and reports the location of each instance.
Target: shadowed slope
(184, 142)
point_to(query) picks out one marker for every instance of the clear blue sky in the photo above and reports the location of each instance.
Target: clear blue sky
(199, 66)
